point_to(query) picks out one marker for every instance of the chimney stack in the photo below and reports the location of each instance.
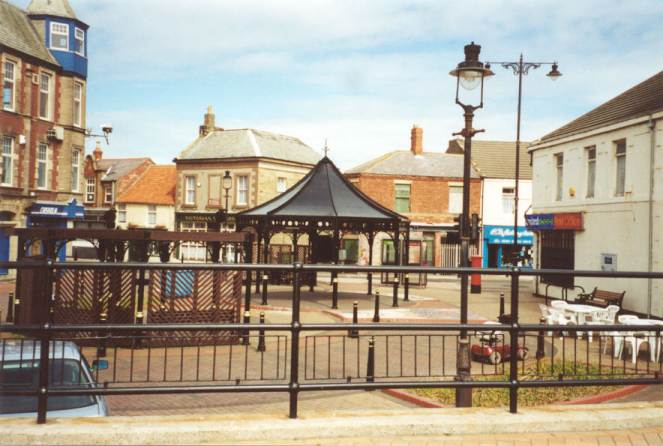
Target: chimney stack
(209, 123)
(417, 140)
(97, 153)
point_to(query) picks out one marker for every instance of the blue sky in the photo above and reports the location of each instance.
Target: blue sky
(358, 73)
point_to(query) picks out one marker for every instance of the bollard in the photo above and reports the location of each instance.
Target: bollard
(353, 332)
(10, 308)
(501, 306)
(245, 331)
(394, 299)
(540, 347)
(370, 366)
(376, 314)
(265, 279)
(406, 289)
(334, 291)
(261, 333)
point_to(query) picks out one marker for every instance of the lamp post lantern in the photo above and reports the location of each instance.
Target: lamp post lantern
(521, 68)
(227, 184)
(469, 75)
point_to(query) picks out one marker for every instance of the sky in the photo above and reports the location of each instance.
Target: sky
(357, 74)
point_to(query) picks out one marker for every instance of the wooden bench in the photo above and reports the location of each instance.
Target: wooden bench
(602, 298)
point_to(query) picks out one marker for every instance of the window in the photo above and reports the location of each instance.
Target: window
(121, 213)
(193, 250)
(242, 190)
(79, 42)
(620, 153)
(42, 166)
(90, 189)
(281, 185)
(78, 104)
(214, 191)
(591, 170)
(508, 199)
(558, 252)
(428, 250)
(402, 197)
(9, 86)
(75, 168)
(151, 214)
(108, 193)
(189, 190)
(559, 163)
(60, 36)
(45, 96)
(455, 199)
(7, 160)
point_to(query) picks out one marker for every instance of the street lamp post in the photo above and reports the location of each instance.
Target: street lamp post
(227, 184)
(521, 68)
(469, 74)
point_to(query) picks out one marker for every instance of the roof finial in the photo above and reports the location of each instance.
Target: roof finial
(326, 147)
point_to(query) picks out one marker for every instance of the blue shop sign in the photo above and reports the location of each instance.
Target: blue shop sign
(68, 211)
(540, 221)
(503, 235)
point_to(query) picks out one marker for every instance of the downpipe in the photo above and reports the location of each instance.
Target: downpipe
(650, 251)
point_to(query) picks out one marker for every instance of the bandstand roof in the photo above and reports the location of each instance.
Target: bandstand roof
(323, 194)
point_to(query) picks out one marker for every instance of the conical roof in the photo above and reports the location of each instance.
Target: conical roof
(323, 193)
(57, 8)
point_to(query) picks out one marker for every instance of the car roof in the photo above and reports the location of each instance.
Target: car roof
(26, 349)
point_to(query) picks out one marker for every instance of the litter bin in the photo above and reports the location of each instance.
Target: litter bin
(475, 280)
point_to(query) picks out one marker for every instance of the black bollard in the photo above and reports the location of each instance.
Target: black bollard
(394, 299)
(10, 308)
(353, 332)
(406, 287)
(265, 279)
(370, 366)
(334, 291)
(376, 314)
(501, 306)
(261, 333)
(540, 346)
(245, 331)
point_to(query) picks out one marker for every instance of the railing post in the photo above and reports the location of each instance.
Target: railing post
(353, 332)
(540, 346)
(501, 306)
(246, 332)
(265, 279)
(376, 314)
(10, 308)
(394, 298)
(406, 287)
(294, 334)
(261, 333)
(513, 335)
(334, 291)
(370, 366)
(44, 341)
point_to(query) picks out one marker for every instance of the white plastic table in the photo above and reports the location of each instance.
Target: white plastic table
(580, 312)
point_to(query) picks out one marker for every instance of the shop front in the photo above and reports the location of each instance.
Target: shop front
(55, 215)
(556, 243)
(498, 249)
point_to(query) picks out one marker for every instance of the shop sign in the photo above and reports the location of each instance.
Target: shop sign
(503, 235)
(70, 210)
(197, 218)
(566, 220)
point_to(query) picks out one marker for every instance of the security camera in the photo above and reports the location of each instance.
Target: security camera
(107, 128)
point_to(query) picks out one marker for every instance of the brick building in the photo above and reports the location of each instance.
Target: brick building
(426, 187)
(43, 69)
(262, 165)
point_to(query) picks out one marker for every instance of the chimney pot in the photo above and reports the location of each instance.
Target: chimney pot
(98, 153)
(417, 140)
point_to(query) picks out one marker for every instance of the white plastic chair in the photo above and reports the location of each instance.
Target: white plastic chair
(633, 339)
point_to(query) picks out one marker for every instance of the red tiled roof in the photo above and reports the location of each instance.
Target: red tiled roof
(155, 186)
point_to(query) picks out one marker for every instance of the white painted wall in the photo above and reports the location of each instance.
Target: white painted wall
(137, 215)
(493, 210)
(612, 224)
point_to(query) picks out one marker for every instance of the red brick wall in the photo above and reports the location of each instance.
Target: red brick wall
(429, 196)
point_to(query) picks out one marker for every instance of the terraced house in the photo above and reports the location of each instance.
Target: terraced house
(258, 165)
(43, 69)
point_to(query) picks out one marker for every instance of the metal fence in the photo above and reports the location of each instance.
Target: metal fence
(300, 357)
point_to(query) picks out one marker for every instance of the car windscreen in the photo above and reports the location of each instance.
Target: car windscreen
(23, 375)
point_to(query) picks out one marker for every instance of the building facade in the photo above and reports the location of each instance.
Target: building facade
(597, 200)
(150, 201)
(426, 187)
(495, 163)
(261, 165)
(43, 69)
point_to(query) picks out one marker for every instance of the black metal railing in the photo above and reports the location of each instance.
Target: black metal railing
(300, 357)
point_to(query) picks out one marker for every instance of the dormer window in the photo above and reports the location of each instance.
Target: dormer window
(59, 36)
(79, 42)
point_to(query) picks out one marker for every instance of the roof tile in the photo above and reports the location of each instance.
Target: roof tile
(155, 186)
